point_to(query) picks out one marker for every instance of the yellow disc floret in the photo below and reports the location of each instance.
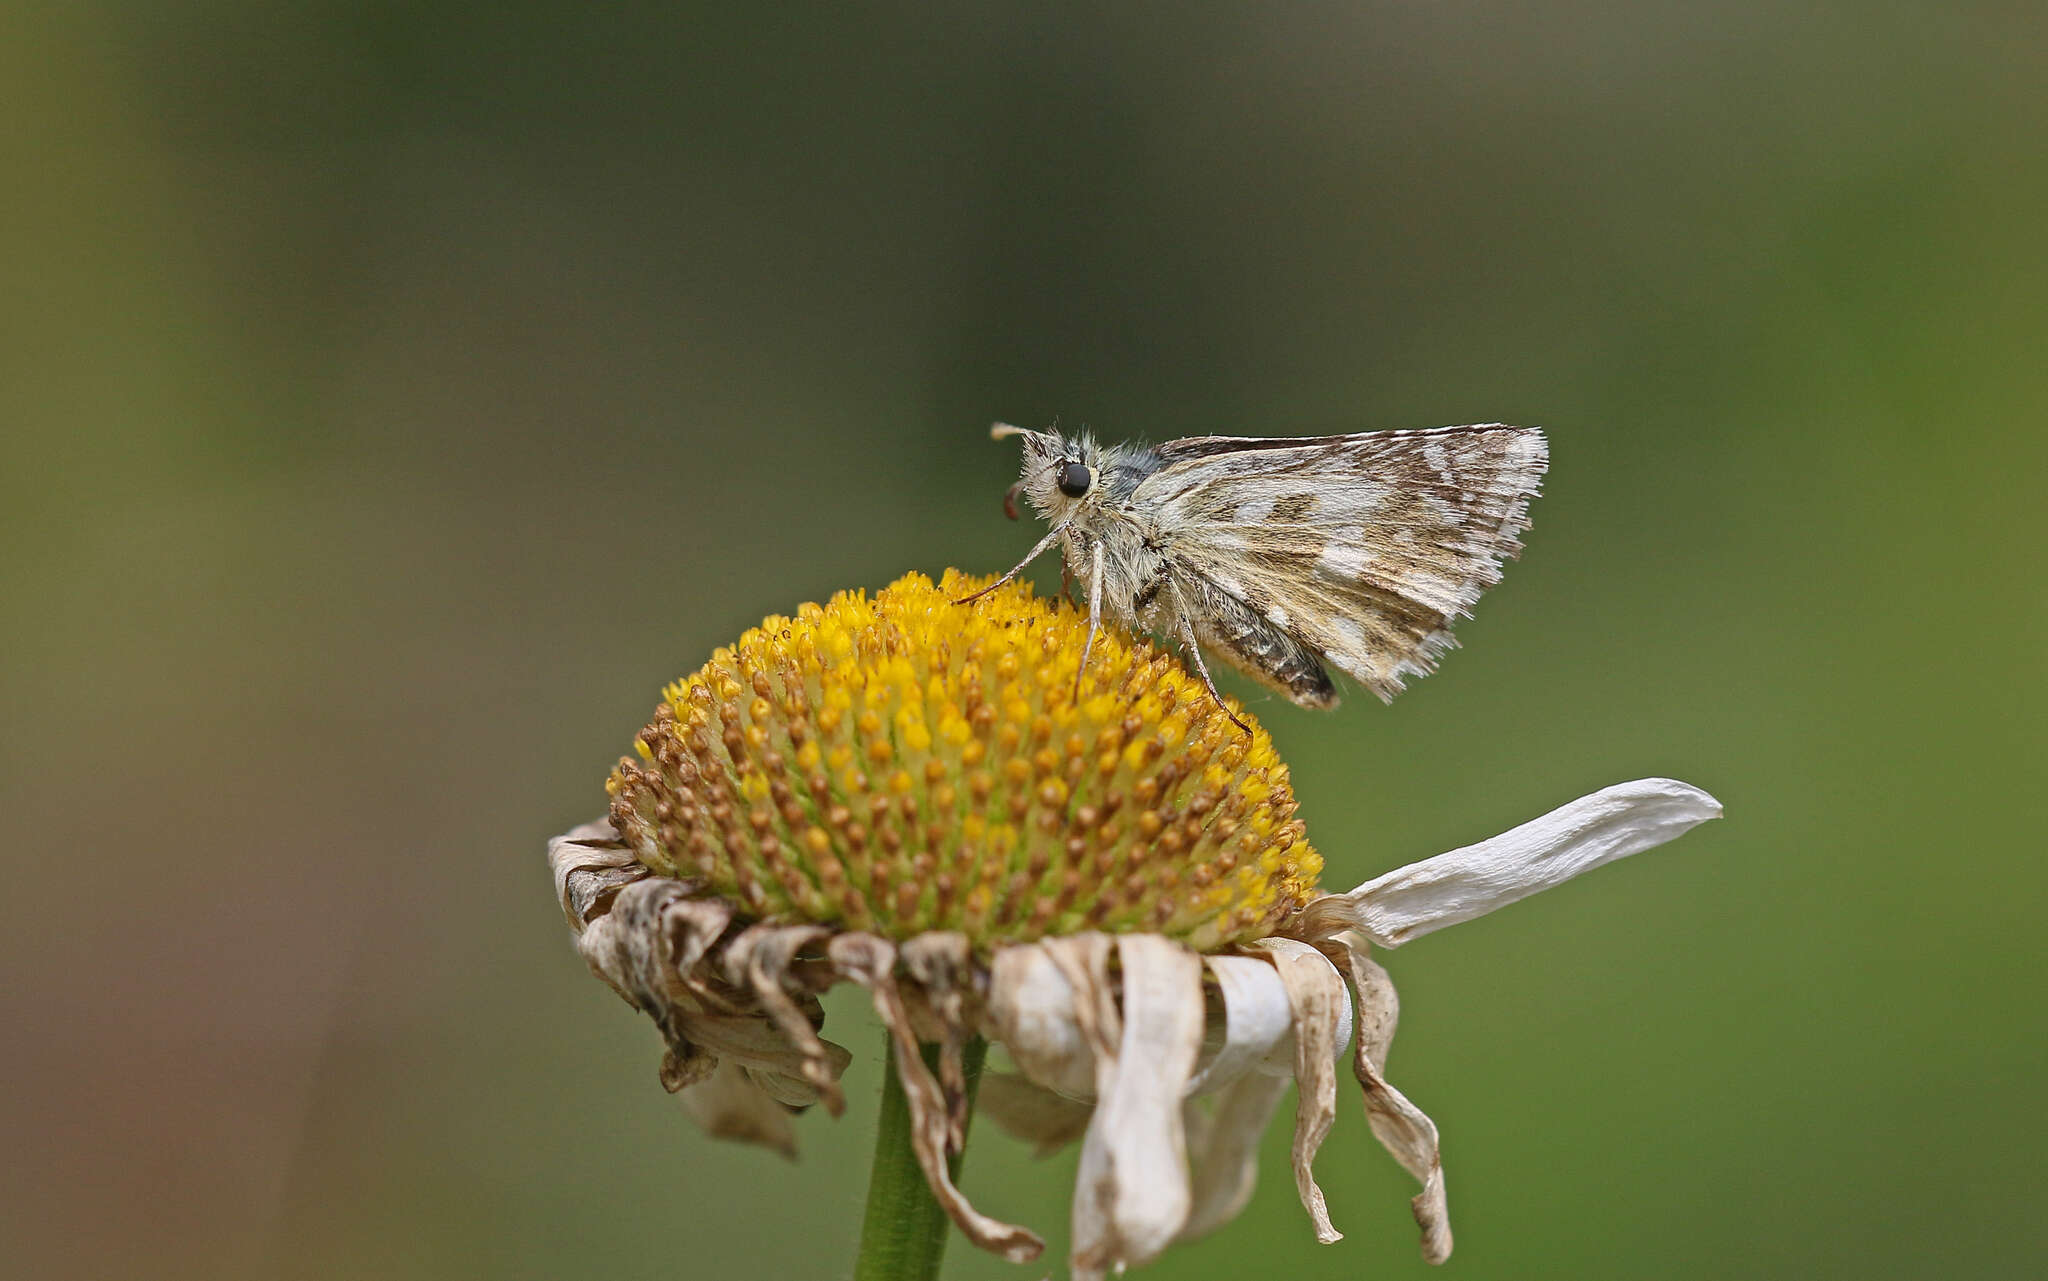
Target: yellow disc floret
(903, 763)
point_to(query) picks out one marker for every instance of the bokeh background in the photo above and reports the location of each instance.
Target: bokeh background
(395, 395)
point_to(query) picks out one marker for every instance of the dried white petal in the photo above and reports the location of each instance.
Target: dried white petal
(940, 963)
(760, 958)
(1379, 1005)
(689, 927)
(740, 1056)
(1047, 1120)
(1612, 823)
(623, 946)
(729, 1105)
(590, 866)
(1031, 1013)
(1131, 1194)
(1257, 1023)
(1083, 961)
(684, 1065)
(755, 1041)
(1401, 1127)
(870, 961)
(1316, 993)
(648, 944)
(1250, 1071)
(793, 1092)
(1223, 1138)
(1223, 1148)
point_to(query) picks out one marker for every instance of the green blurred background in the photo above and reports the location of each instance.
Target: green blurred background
(395, 395)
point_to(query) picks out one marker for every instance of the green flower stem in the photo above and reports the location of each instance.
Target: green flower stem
(903, 1235)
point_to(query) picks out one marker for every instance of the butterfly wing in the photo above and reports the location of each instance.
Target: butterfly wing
(1365, 548)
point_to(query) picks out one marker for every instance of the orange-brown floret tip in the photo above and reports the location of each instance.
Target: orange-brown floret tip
(902, 763)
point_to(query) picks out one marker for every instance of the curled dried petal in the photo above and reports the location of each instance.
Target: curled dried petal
(1131, 1195)
(1083, 961)
(685, 1065)
(755, 1041)
(634, 946)
(1401, 1127)
(1223, 1148)
(590, 866)
(793, 1092)
(1258, 1022)
(941, 964)
(649, 944)
(1223, 1137)
(653, 946)
(1316, 994)
(689, 928)
(1045, 1119)
(1379, 1005)
(1612, 823)
(760, 957)
(729, 1104)
(870, 961)
(1031, 1012)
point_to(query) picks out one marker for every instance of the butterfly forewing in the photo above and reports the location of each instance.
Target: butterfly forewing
(1363, 547)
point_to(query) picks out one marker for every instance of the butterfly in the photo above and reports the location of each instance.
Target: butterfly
(1286, 556)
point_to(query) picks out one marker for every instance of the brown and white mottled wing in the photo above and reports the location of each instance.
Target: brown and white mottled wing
(1365, 548)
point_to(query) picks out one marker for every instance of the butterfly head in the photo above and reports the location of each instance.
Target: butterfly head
(1060, 475)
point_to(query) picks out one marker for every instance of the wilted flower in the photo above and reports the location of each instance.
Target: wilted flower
(1103, 874)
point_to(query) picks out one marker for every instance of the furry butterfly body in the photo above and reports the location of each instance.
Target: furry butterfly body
(1287, 557)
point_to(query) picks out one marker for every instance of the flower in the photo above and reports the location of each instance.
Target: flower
(1094, 868)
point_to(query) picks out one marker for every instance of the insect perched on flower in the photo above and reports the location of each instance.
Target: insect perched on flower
(1286, 555)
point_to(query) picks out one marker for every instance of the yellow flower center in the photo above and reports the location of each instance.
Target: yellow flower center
(903, 763)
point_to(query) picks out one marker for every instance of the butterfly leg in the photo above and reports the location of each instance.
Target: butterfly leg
(1094, 614)
(1034, 554)
(1187, 642)
(1067, 584)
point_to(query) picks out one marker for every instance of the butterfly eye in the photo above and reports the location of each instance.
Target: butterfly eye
(1075, 479)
